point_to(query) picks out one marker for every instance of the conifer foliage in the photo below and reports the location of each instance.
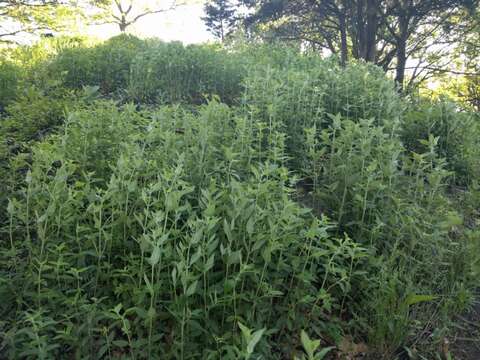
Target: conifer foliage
(220, 17)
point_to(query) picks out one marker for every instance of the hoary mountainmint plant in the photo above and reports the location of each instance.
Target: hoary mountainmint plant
(254, 202)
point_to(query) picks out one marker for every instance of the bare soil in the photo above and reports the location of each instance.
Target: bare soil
(465, 343)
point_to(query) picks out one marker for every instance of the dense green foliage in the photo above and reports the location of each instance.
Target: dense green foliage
(9, 75)
(457, 133)
(35, 17)
(106, 65)
(173, 202)
(174, 73)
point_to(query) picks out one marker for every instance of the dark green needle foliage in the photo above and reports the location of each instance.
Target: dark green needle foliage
(220, 17)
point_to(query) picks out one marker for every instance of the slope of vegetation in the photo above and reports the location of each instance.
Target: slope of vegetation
(162, 201)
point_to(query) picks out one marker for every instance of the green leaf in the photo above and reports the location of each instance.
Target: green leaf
(152, 313)
(227, 230)
(120, 343)
(155, 257)
(196, 256)
(10, 207)
(320, 355)
(117, 308)
(246, 332)
(257, 335)
(413, 299)
(209, 264)
(192, 288)
(310, 346)
(174, 276)
(234, 258)
(149, 285)
(250, 225)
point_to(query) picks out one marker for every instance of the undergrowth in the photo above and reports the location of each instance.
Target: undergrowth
(162, 201)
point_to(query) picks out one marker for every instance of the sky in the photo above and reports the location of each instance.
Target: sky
(182, 24)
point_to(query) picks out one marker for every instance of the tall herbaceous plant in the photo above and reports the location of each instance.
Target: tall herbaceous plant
(163, 201)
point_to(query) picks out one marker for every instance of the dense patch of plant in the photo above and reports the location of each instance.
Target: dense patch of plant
(9, 79)
(172, 73)
(146, 71)
(300, 95)
(303, 209)
(191, 234)
(456, 130)
(106, 65)
(29, 119)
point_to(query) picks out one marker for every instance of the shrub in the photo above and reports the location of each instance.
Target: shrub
(106, 65)
(151, 71)
(169, 248)
(10, 76)
(33, 115)
(29, 119)
(308, 84)
(319, 205)
(393, 202)
(172, 73)
(458, 133)
(34, 57)
(303, 94)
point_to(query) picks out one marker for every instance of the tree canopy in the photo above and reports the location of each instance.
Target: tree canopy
(387, 33)
(125, 13)
(220, 17)
(20, 17)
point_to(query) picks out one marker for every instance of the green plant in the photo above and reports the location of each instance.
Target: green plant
(122, 207)
(172, 73)
(251, 339)
(106, 65)
(10, 76)
(311, 346)
(458, 134)
(254, 185)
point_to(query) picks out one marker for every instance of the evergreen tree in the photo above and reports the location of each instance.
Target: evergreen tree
(220, 17)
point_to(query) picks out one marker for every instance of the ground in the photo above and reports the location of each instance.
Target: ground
(465, 342)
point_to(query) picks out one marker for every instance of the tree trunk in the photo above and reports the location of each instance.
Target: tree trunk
(364, 30)
(222, 33)
(343, 40)
(360, 29)
(371, 31)
(123, 24)
(401, 52)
